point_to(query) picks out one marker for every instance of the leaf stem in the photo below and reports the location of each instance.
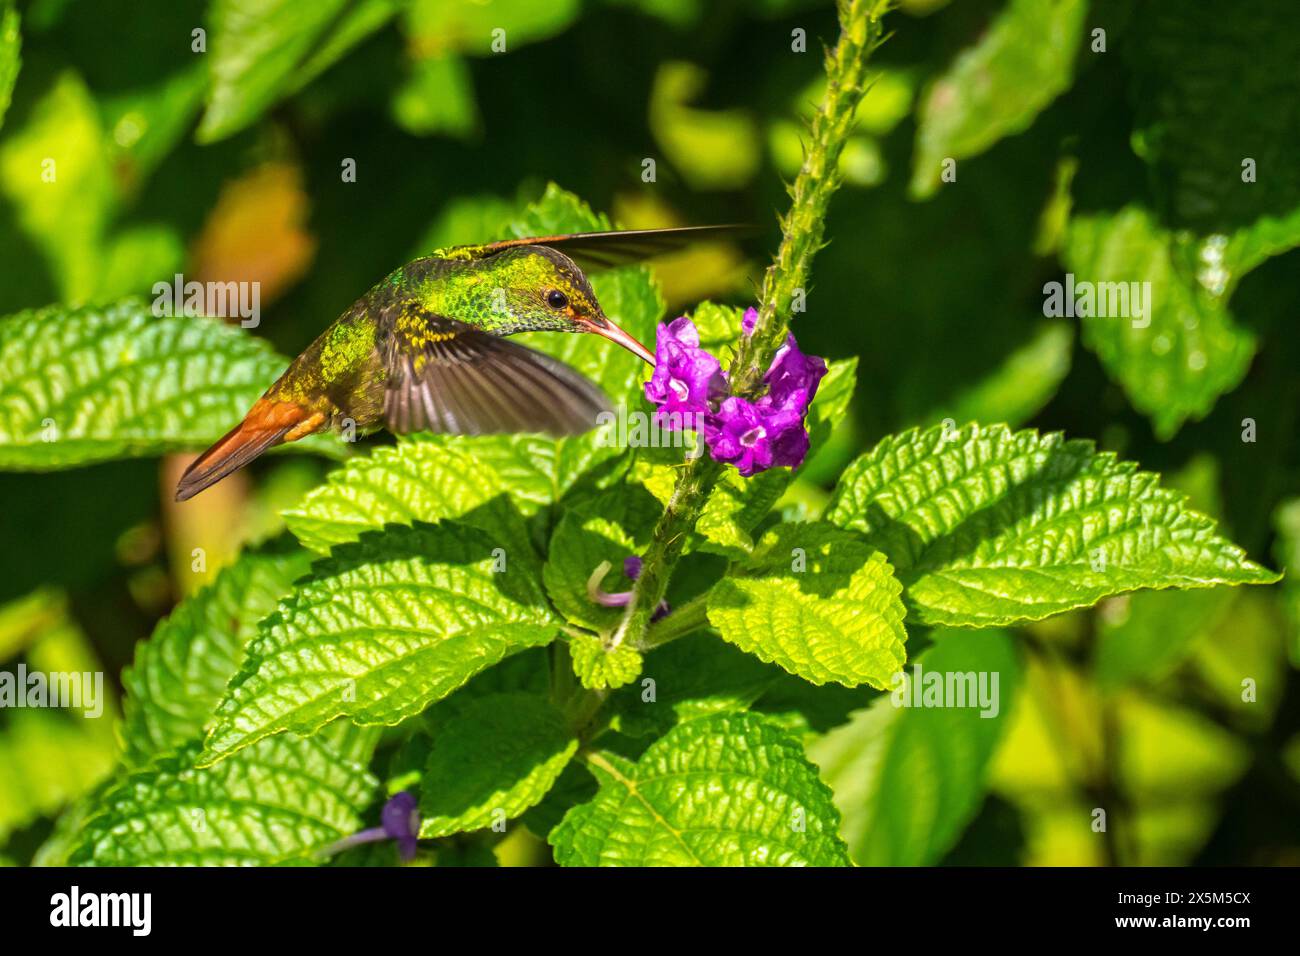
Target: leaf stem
(683, 620)
(802, 230)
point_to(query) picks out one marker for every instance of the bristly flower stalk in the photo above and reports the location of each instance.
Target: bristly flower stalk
(802, 231)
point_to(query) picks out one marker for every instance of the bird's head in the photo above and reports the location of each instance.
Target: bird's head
(539, 289)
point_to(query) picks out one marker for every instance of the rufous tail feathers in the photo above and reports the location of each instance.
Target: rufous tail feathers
(268, 423)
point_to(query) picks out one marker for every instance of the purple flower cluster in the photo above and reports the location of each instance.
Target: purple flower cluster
(688, 385)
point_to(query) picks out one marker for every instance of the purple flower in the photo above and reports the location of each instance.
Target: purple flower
(399, 821)
(754, 436)
(687, 380)
(748, 319)
(794, 377)
(632, 567)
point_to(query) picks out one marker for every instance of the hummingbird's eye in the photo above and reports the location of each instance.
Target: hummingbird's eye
(557, 299)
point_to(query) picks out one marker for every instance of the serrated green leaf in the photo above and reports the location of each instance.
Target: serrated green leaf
(605, 528)
(380, 630)
(89, 384)
(499, 756)
(426, 478)
(276, 802)
(694, 676)
(1023, 61)
(985, 526)
(599, 667)
(181, 671)
(264, 50)
(728, 790)
(819, 602)
(908, 779)
(1175, 362)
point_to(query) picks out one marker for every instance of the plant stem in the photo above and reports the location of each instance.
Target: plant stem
(683, 620)
(802, 230)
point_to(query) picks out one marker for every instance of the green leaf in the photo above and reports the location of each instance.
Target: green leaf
(1175, 362)
(264, 50)
(380, 630)
(819, 602)
(985, 526)
(90, 384)
(728, 790)
(54, 169)
(908, 779)
(599, 667)
(427, 478)
(48, 758)
(468, 27)
(694, 676)
(181, 671)
(605, 528)
(275, 803)
(499, 756)
(437, 97)
(11, 42)
(1023, 61)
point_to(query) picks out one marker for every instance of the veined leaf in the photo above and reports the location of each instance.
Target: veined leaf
(694, 676)
(380, 630)
(90, 384)
(818, 601)
(499, 756)
(729, 790)
(605, 528)
(985, 526)
(180, 673)
(909, 775)
(276, 802)
(999, 86)
(598, 667)
(422, 479)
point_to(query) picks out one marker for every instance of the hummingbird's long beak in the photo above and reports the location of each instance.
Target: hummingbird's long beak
(607, 329)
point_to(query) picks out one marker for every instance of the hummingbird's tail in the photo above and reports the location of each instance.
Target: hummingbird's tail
(267, 424)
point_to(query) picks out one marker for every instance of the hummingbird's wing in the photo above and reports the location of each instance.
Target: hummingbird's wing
(457, 379)
(605, 250)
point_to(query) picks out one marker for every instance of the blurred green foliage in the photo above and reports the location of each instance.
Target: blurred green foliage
(1159, 150)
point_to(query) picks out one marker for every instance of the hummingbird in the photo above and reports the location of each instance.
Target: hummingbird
(427, 349)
